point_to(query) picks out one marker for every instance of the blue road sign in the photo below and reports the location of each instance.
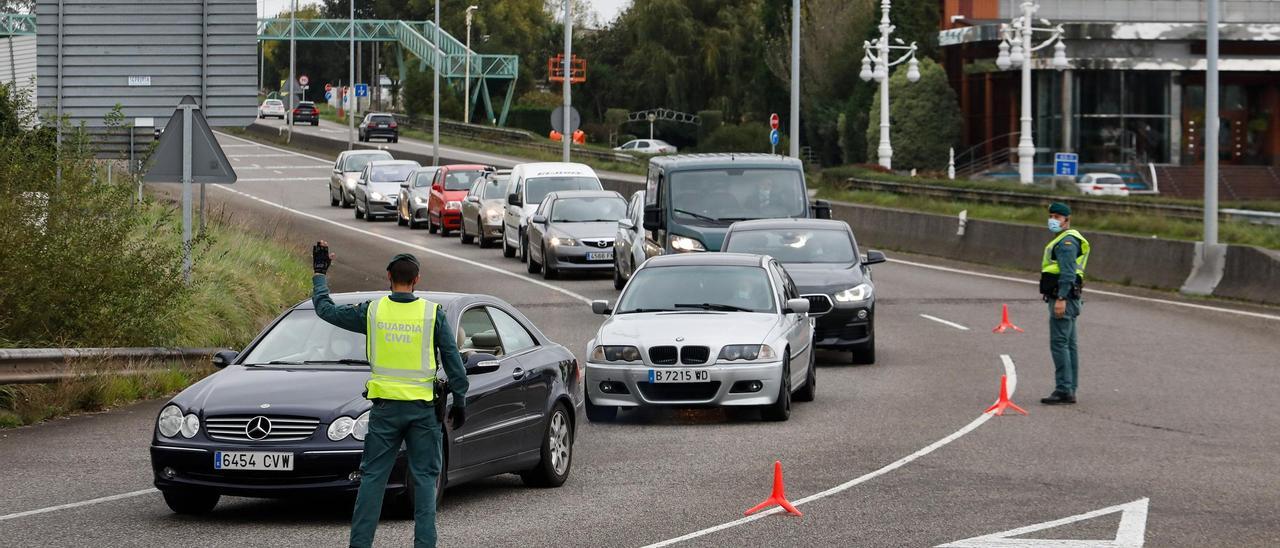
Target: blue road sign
(328, 95)
(1066, 163)
(362, 90)
(774, 137)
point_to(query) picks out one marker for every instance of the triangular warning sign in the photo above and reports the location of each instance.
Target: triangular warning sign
(208, 163)
(1131, 533)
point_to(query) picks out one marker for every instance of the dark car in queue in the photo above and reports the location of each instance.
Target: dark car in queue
(574, 230)
(286, 417)
(821, 256)
(483, 207)
(414, 196)
(379, 125)
(346, 171)
(306, 113)
(377, 190)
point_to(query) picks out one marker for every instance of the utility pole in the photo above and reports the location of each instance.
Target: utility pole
(435, 107)
(568, 55)
(795, 78)
(466, 99)
(351, 77)
(293, 13)
(1211, 127)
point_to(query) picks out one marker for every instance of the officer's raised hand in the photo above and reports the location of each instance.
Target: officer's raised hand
(321, 258)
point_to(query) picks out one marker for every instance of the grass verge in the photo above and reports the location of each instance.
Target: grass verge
(24, 404)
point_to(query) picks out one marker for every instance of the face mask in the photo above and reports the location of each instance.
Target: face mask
(1055, 226)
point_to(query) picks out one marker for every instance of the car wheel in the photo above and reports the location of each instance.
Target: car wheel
(507, 250)
(359, 215)
(780, 409)
(368, 213)
(400, 220)
(557, 452)
(315, 123)
(342, 199)
(524, 249)
(444, 232)
(601, 413)
(866, 355)
(532, 266)
(333, 200)
(431, 227)
(191, 502)
(548, 273)
(413, 221)
(401, 506)
(618, 282)
(465, 238)
(810, 389)
(395, 139)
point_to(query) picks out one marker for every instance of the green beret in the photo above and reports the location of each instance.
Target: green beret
(1060, 208)
(404, 257)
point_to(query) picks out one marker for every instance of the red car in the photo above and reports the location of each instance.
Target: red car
(444, 208)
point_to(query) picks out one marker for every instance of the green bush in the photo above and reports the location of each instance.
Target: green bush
(924, 119)
(534, 119)
(739, 138)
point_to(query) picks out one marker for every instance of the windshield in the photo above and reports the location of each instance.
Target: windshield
(671, 288)
(537, 189)
(381, 119)
(461, 180)
(274, 103)
(301, 336)
(795, 246)
(392, 173)
(356, 162)
(423, 178)
(495, 189)
(726, 195)
(585, 210)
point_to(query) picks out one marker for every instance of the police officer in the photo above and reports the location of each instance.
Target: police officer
(1061, 281)
(403, 334)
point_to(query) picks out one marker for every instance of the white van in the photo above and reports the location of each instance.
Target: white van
(530, 184)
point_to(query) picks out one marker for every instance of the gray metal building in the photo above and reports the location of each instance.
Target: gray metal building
(18, 63)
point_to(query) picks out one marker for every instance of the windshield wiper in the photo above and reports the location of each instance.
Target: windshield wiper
(343, 361)
(281, 362)
(641, 310)
(697, 215)
(714, 306)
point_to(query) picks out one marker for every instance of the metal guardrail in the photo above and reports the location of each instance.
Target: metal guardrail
(41, 365)
(1083, 203)
(511, 137)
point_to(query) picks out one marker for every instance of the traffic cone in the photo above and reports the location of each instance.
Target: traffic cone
(778, 497)
(1005, 324)
(1003, 402)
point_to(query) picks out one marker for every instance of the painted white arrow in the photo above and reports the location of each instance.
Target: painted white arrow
(1131, 533)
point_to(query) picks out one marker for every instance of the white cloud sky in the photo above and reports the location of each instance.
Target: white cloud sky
(605, 9)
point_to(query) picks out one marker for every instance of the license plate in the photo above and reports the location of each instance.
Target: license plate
(242, 460)
(679, 375)
(599, 255)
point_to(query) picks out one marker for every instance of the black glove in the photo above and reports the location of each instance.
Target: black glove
(320, 258)
(457, 417)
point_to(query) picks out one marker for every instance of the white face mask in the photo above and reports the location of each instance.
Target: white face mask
(1055, 226)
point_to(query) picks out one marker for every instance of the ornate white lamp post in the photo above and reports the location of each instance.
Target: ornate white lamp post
(1015, 50)
(875, 64)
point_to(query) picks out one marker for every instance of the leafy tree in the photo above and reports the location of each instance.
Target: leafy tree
(924, 119)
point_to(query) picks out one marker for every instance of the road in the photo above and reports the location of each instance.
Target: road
(1177, 406)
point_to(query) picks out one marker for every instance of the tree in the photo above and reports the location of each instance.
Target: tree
(924, 119)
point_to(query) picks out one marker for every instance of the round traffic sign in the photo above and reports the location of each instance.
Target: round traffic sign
(304, 80)
(328, 87)
(774, 137)
(773, 121)
(328, 95)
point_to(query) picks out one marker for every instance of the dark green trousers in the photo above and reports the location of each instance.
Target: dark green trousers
(1062, 346)
(390, 423)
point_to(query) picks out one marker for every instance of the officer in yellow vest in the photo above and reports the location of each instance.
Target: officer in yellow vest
(1061, 281)
(403, 336)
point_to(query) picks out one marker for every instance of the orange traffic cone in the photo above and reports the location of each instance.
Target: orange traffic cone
(778, 497)
(1005, 324)
(1003, 402)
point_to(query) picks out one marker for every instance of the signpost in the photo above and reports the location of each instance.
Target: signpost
(188, 153)
(774, 136)
(558, 119)
(1066, 164)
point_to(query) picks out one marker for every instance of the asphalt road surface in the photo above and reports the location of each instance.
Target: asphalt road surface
(1177, 415)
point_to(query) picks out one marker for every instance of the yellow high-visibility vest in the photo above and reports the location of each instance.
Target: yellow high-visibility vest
(401, 349)
(1049, 265)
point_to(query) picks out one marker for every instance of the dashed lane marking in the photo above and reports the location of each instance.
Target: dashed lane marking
(944, 322)
(1009, 370)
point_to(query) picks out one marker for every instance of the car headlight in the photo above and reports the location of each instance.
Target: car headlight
(361, 427)
(376, 196)
(860, 292)
(494, 216)
(350, 181)
(683, 244)
(170, 421)
(453, 205)
(420, 200)
(341, 427)
(190, 426)
(746, 352)
(615, 354)
(562, 241)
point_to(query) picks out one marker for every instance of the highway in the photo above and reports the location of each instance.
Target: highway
(1177, 414)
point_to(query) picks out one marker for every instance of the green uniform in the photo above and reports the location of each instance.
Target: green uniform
(402, 413)
(1066, 256)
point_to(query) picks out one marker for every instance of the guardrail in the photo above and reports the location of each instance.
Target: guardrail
(41, 365)
(511, 137)
(1078, 202)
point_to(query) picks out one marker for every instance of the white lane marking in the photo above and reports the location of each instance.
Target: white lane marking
(449, 256)
(276, 179)
(944, 322)
(1009, 370)
(269, 147)
(78, 504)
(312, 166)
(1131, 533)
(1093, 291)
(236, 156)
(278, 172)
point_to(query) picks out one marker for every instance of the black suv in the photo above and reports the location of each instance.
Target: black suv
(381, 125)
(306, 111)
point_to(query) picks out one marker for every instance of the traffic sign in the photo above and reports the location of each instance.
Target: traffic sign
(557, 120)
(774, 137)
(328, 87)
(773, 122)
(1066, 163)
(362, 90)
(328, 95)
(208, 163)
(304, 80)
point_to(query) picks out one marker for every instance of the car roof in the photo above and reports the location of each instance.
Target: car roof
(425, 169)
(547, 169)
(361, 152)
(380, 163)
(723, 159)
(460, 167)
(561, 194)
(782, 224)
(439, 297)
(705, 259)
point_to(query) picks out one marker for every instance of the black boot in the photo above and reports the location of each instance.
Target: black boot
(1059, 398)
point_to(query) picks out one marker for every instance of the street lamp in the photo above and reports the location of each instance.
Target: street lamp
(466, 100)
(1015, 49)
(875, 64)
(351, 79)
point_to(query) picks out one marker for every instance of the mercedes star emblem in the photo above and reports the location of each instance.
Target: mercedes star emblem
(258, 428)
(265, 406)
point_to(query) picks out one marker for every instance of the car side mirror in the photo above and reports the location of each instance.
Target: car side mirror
(223, 358)
(653, 218)
(626, 223)
(874, 257)
(473, 199)
(538, 219)
(479, 363)
(820, 209)
(513, 199)
(797, 306)
(437, 187)
(600, 307)
(404, 184)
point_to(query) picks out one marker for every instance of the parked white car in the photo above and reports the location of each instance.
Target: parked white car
(647, 146)
(1102, 184)
(271, 107)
